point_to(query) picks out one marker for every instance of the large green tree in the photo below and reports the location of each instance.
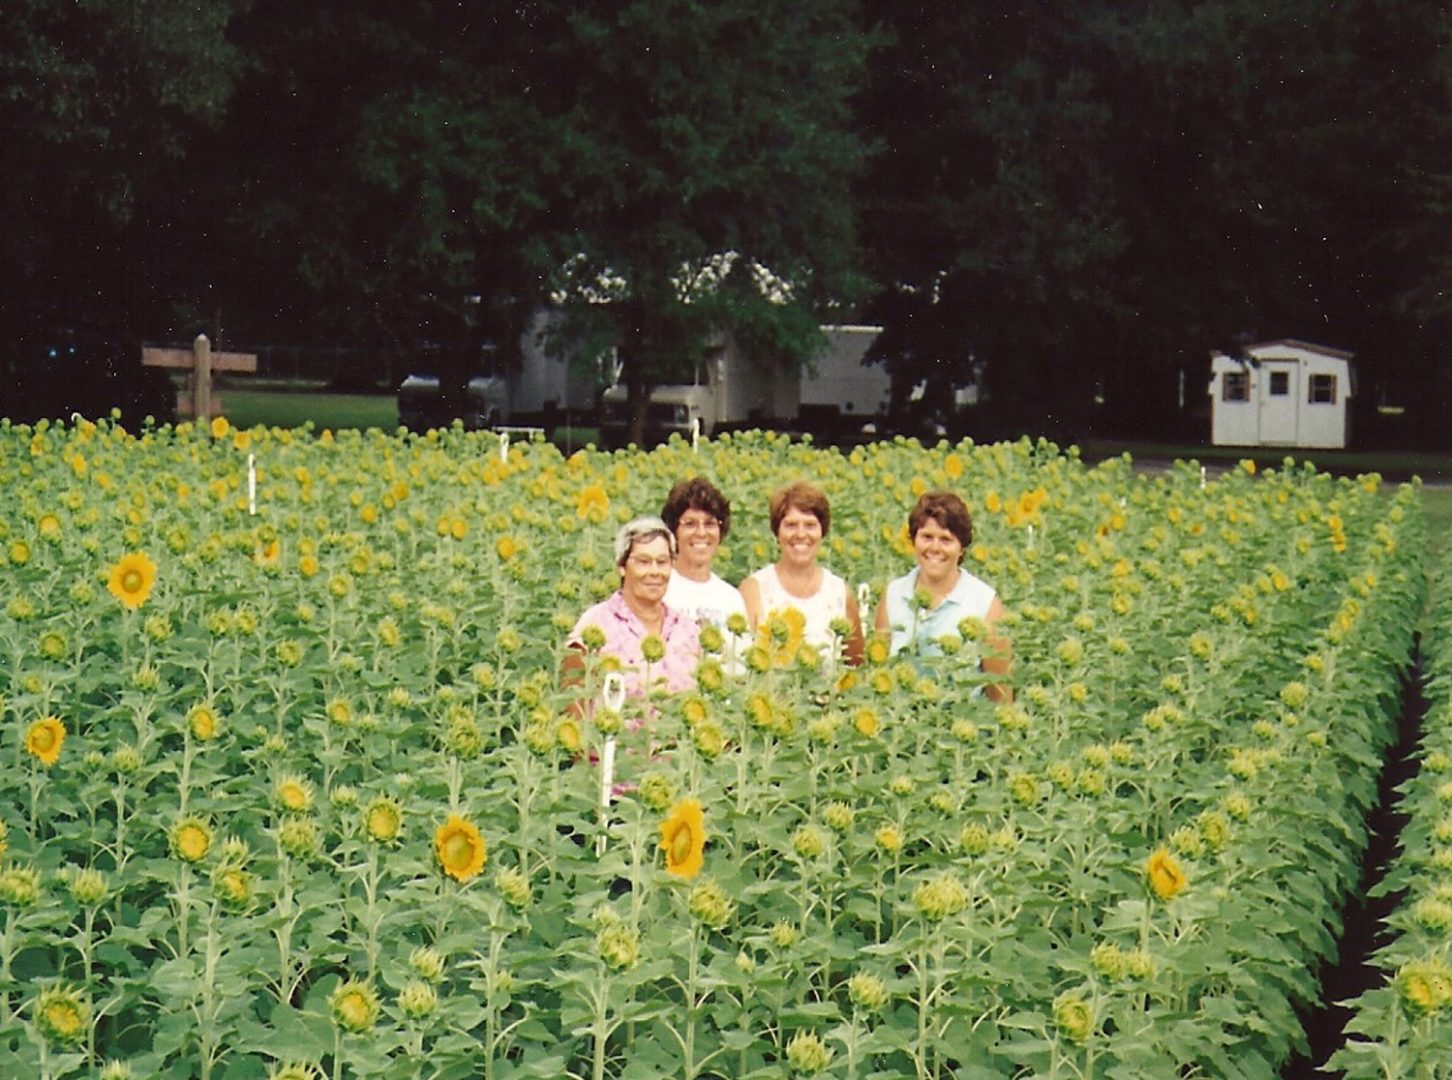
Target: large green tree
(1089, 196)
(388, 168)
(706, 156)
(99, 104)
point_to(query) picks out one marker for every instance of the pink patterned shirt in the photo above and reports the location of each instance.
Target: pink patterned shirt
(623, 634)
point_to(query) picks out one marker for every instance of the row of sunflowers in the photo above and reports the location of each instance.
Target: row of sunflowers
(1402, 1025)
(295, 790)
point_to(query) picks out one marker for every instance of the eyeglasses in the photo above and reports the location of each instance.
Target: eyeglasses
(699, 524)
(645, 562)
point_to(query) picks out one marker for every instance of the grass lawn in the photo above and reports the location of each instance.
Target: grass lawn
(291, 409)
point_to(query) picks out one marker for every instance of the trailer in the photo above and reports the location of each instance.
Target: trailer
(834, 394)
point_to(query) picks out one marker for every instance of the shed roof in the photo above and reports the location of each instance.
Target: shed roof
(1292, 343)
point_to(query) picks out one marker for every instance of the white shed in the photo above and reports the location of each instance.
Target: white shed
(1283, 393)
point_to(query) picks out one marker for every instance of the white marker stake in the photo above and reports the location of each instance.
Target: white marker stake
(695, 434)
(612, 698)
(864, 597)
(1202, 478)
(252, 484)
(504, 448)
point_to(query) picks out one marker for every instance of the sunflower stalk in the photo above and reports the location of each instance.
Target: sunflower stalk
(211, 1048)
(184, 778)
(371, 915)
(7, 958)
(182, 908)
(288, 912)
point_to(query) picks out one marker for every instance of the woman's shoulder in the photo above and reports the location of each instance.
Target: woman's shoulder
(594, 615)
(833, 585)
(904, 584)
(765, 577)
(974, 590)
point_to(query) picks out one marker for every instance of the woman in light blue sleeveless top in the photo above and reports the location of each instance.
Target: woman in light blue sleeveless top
(930, 602)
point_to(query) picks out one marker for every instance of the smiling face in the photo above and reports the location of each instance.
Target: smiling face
(646, 571)
(698, 538)
(938, 551)
(800, 536)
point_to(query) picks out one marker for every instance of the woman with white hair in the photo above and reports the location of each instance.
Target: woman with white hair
(634, 624)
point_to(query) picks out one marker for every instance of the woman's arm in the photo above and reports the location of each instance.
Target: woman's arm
(750, 590)
(854, 647)
(998, 659)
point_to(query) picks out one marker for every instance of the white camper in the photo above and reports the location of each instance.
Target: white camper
(1282, 393)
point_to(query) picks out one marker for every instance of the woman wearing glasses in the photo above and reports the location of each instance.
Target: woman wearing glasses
(699, 516)
(634, 625)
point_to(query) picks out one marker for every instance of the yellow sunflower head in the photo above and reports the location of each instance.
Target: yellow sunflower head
(1165, 877)
(293, 793)
(44, 740)
(62, 1016)
(191, 839)
(383, 818)
(204, 723)
(355, 1006)
(131, 579)
(460, 849)
(683, 838)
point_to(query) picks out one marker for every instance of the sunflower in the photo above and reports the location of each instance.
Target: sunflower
(269, 553)
(592, 503)
(44, 739)
(1166, 879)
(191, 839)
(220, 427)
(293, 793)
(62, 1015)
(683, 838)
(460, 849)
(132, 578)
(383, 819)
(354, 1005)
(204, 723)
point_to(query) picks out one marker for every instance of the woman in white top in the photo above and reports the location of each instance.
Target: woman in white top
(931, 602)
(800, 518)
(700, 517)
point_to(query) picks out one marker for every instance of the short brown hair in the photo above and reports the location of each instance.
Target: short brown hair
(696, 493)
(945, 508)
(800, 496)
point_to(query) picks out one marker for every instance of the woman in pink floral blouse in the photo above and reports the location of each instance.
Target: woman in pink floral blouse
(638, 629)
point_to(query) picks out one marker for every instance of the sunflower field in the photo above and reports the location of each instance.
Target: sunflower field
(1403, 1027)
(295, 790)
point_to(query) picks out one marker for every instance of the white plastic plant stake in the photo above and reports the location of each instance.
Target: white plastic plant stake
(864, 597)
(1202, 478)
(612, 697)
(695, 434)
(252, 484)
(504, 448)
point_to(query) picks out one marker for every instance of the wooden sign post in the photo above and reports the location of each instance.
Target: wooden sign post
(199, 363)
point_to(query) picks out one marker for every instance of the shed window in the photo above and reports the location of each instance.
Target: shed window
(1280, 383)
(1235, 386)
(1322, 390)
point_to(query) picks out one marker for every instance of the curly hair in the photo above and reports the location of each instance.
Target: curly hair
(696, 493)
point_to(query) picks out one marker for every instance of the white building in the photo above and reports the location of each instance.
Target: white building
(1284, 393)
